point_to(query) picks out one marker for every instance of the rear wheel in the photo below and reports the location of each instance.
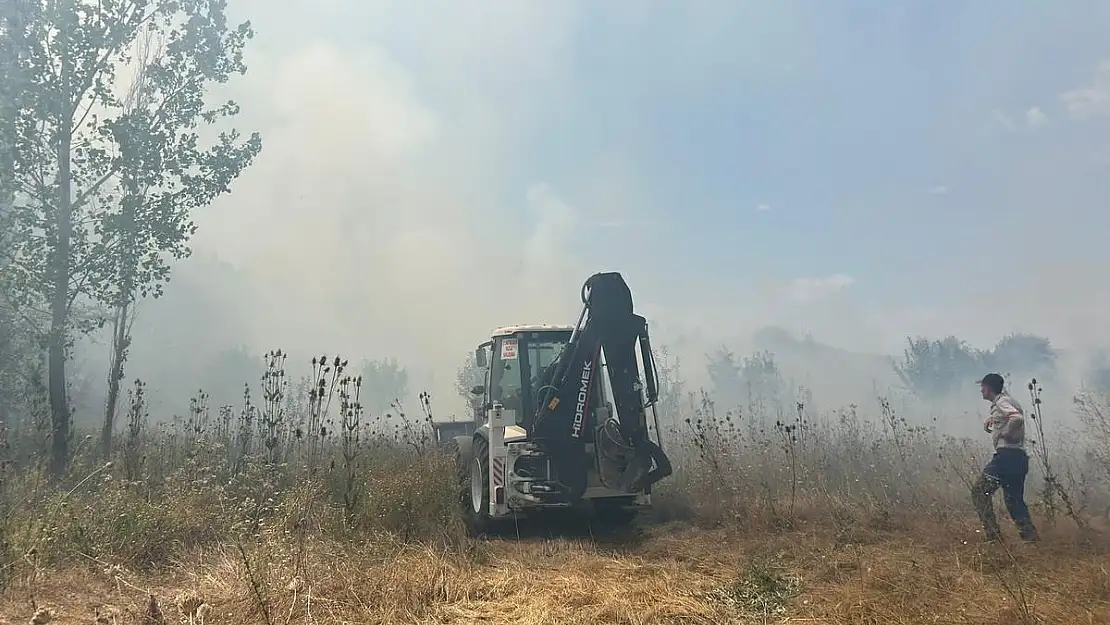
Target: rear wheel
(611, 515)
(476, 493)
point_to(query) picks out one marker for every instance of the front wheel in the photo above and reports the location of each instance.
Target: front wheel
(476, 495)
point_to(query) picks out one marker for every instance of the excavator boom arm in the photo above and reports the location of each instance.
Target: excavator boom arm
(608, 325)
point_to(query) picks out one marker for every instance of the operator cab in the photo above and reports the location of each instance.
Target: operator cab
(516, 362)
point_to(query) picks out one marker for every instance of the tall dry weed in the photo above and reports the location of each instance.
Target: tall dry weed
(271, 482)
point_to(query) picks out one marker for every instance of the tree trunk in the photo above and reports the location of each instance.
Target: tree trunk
(59, 315)
(59, 305)
(121, 329)
(121, 340)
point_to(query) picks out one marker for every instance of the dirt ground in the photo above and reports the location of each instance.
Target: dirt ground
(667, 574)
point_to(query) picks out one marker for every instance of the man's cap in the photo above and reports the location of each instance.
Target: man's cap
(992, 380)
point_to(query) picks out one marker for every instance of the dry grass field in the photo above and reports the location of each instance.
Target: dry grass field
(301, 509)
(674, 574)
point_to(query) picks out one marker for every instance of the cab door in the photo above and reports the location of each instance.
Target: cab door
(505, 380)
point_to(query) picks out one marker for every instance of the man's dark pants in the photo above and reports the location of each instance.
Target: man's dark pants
(1006, 470)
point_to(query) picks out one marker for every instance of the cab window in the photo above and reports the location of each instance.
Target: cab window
(544, 350)
(505, 374)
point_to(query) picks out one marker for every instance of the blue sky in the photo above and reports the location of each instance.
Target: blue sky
(841, 117)
(915, 158)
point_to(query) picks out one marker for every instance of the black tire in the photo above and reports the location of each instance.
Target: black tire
(612, 515)
(462, 448)
(477, 520)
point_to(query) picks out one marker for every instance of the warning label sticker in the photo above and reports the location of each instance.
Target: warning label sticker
(508, 349)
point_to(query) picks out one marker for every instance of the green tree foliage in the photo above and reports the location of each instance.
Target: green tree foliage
(1024, 355)
(104, 184)
(755, 379)
(9, 91)
(934, 369)
(467, 376)
(11, 82)
(383, 382)
(762, 379)
(724, 375)
(20, 360)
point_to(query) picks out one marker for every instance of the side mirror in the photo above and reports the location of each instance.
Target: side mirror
(478, 390)
(480, 357)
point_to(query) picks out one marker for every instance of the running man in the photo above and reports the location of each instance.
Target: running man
(1008, 467)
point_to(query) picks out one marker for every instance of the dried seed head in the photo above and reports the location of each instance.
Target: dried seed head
(188, 602)
(153, 614)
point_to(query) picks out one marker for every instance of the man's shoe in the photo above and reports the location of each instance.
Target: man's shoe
(1028, 532)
